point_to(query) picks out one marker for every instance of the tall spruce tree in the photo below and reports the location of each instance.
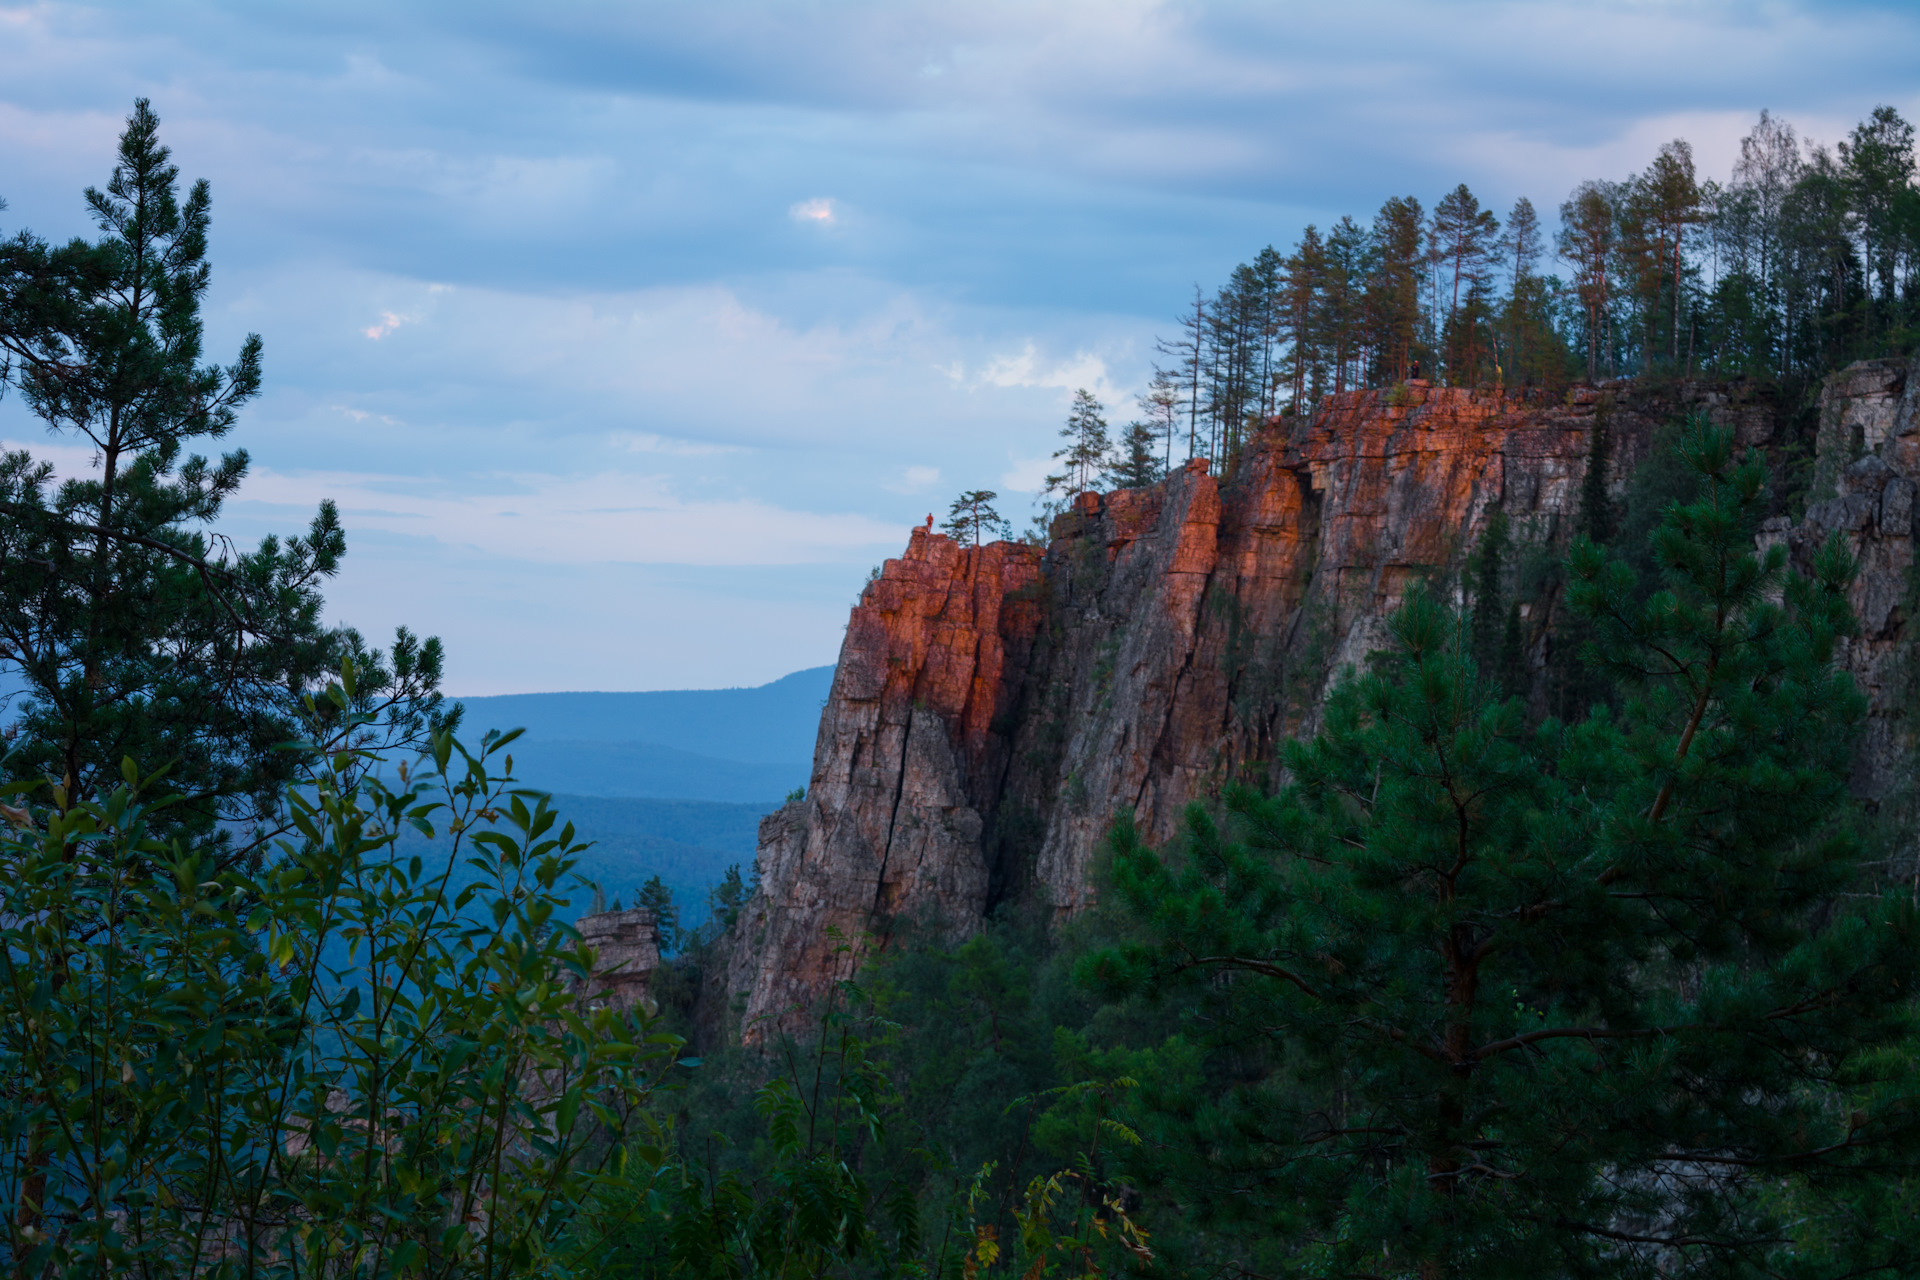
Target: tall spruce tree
(136, 630)
(1475, 998)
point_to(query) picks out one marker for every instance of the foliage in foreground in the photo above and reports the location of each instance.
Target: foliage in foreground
(346, 1065)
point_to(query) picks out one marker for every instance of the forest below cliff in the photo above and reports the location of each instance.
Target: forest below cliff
(1466, 979)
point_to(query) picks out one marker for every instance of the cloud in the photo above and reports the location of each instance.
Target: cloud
(387, 324)
(914, 479)
(366, 415)
(647, 442)
(605, 518)
(1029, 369)
(820, 211)
(70, 461)
(612, 332)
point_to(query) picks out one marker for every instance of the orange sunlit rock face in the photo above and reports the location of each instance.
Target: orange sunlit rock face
(994, 709)
(890, 823)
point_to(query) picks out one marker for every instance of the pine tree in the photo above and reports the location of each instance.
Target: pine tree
(1463, 235)
(1512, 664)
(1349, 261)
(1586, 240)
(1523, 320)
(972, 517)
(1086, 450)
(1237, 344)
(1302, 296)
(136, 630)
(654, 896)
(1748, 224)
(1488, 569)
(1393, 287)
(1138, 464)
(1668, 198)
(1160, 402)
(1186, 374)
(1595, 519)
(1877, 161)
(1474, 998)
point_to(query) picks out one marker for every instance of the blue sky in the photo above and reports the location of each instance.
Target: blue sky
(630, 336)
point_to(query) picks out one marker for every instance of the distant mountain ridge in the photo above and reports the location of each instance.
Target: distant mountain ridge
(646, 770)
(764, 724)
(670, 783)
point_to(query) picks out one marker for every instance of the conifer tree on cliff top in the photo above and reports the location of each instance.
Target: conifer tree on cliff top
(1137, 465)
(1086, 450)
(135, 628)
(1471, 998)
(972, 517)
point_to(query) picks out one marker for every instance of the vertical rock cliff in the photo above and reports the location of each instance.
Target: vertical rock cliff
(1866, 470)
(995, 708)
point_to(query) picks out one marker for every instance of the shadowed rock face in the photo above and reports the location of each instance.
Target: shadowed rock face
(994, 709)
(1866, 470)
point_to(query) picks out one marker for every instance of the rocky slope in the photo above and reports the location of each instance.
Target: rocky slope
(994, 708)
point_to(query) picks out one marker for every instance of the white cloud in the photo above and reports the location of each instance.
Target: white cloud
(582, 519)
(69, 460)
(1029, 369)
(388, 322)
(913, 480)
(366, 415)
(820, 211)
(648, 442)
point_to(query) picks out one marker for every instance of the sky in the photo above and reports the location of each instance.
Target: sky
(630, 337)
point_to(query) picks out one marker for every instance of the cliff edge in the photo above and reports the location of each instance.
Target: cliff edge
(994, 708)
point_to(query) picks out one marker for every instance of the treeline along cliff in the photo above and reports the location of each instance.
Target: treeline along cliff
(995, 708)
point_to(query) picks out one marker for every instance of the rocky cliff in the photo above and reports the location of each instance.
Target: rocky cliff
(1866, 470)
(993, 709)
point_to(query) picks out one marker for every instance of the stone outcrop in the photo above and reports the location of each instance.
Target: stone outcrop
(626, 951)
(995, 708)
